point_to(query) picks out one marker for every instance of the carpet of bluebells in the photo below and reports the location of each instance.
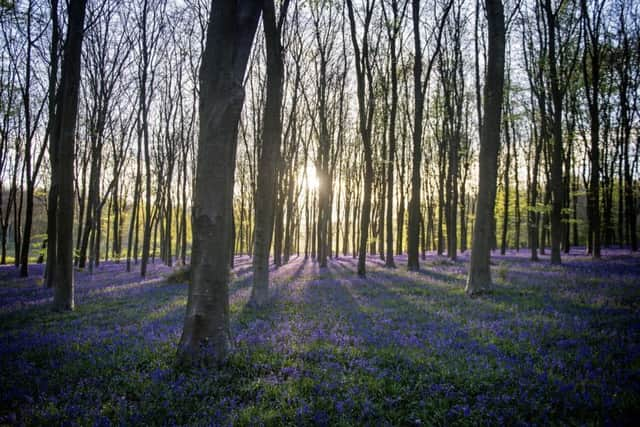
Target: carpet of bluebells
(549, 345)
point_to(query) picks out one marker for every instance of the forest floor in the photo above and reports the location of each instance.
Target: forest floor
(548, 345)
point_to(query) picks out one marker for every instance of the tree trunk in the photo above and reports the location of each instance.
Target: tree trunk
(364, 80)
(413, 229)
(480, 273)
(232, 25)
(507, 165)
(556, 152)
(54, 133)
(269, 158)
(63, 297)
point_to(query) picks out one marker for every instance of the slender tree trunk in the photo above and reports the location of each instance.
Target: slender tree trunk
(480, 273)
(591, 74)
(269, 158)
(364, 80)
(507, 165)
(413, 231)
(556, 147)
(54, 134)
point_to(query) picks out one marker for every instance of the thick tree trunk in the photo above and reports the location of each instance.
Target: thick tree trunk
(63, 297)
(269, 158)
(480, 273)
(232, 26)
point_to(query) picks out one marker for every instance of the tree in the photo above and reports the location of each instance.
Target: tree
(270, 151)
(394, 25)
(149, 41)
(54, 54)
(479, 272)
(593, 29)
(24, 37)
(628, 89)
(558, 69)
(232, 26)
(67, 112)
(419, 89)
(364, 79)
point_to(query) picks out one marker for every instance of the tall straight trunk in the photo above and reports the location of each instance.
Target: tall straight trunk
(132, 241)
(108, 228)
(544, 230)
(269, 158)
(480, 273)
(22, 256)
(168, 258)
(232, 26)
(518, 218)
(413, 228)
(338, 200)
(54, 134)
(507, 165)
(314, 229)
(423, 237)
(442, 203)
(534, 215)
(307, 216)
(116, 247)
(17, 219)
(413, 231)
(354, 222)
(452, 224)
(365, 95)
(278, 226)
(144, 115)
(557, 192)
(98, 239)
(290, 223)
(625, 89)
(347, 212)
(26, 234)
(620, 220)
(400, 227)
(382, 197)
(576, 236)
(183, 213)
(81, 210)
(63, 297)
(591, 75)
(463, 219)
(566, 198)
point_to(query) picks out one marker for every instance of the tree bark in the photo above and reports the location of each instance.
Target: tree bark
(63, 297)
(269, 157)
(480, 273)
(364, 80)
(232, 26)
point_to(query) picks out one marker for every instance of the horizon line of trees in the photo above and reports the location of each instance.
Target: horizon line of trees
(134, 166)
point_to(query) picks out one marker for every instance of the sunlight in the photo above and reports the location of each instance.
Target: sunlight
(310, 178)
